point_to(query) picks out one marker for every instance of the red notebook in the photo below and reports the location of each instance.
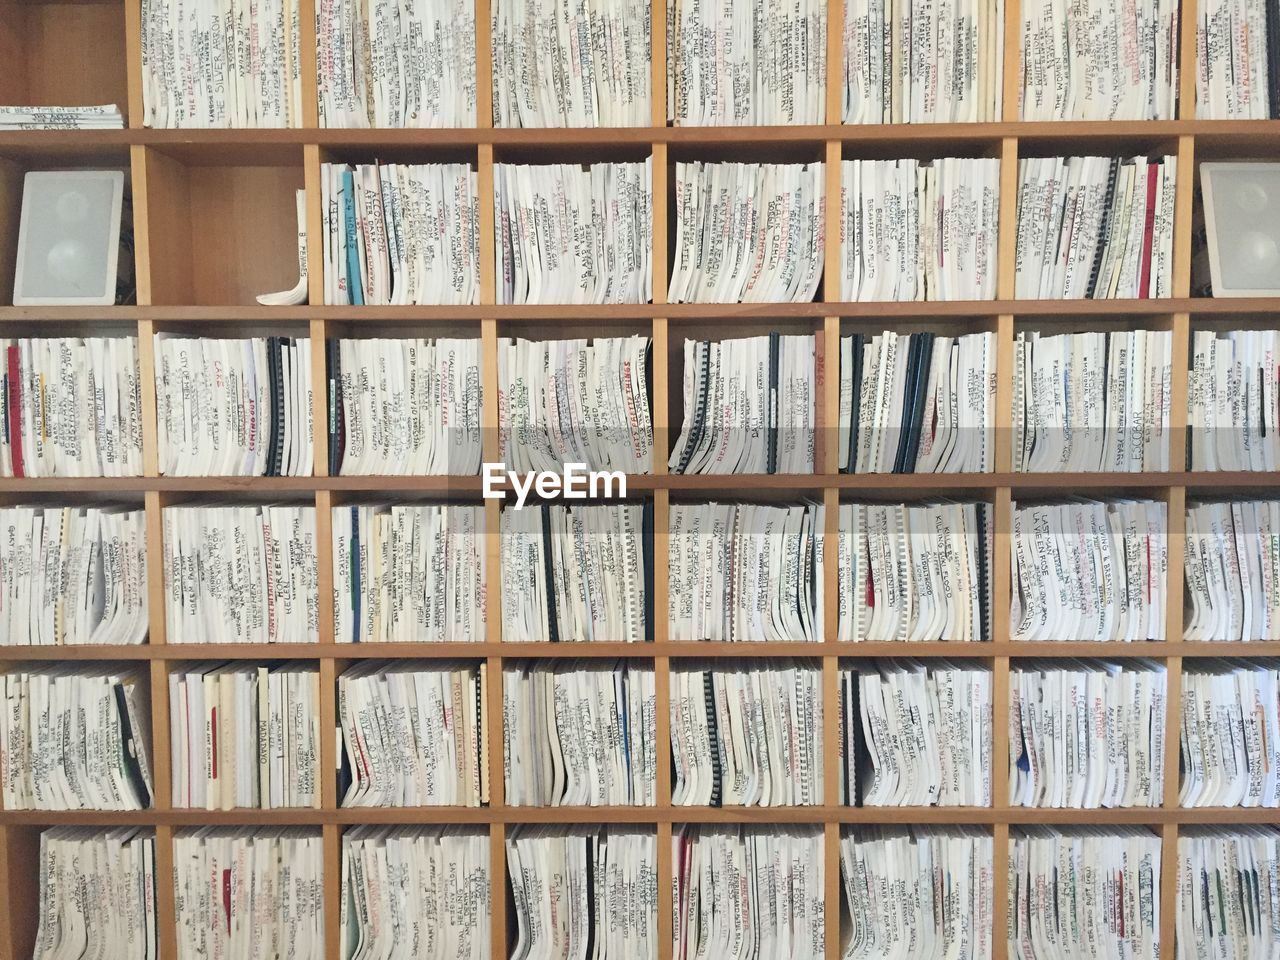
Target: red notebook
(1148, 228)
(15, 412)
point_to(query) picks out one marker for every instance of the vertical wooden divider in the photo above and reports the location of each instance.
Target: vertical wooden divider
(484, 70)
(662, 718)
(492, 508)
(660, 386)
(154, 503)
(834, 87)
(493, 664)
(661, 621)
(13, 925)
(1176, 500)
(1184, 196)
(331, 833)
(658, 63)
(1187, 69)
(1006, 254)
(19, 850)
(827, 463)
(166, 908)
(1000, 722)
(831, 719)
(133, 60)
(1011, 86)
(308, 68)
(318, 328)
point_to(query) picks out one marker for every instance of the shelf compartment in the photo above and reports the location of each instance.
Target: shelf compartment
(64, 54)
(220, 234)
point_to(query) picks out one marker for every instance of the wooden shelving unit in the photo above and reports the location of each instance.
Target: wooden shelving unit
(213, 214)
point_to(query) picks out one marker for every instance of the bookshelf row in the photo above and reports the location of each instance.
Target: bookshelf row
(1185, 339)
(24, 842)
(113, 29)
(20, 830)
(217, 757)
(224, 219)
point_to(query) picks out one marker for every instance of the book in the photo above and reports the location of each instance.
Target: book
(1095, 227)
(579, 734)
(244, 736)
(423, 889)
(1223, 876)
(404, 407)
(747, 232)
(1084, 892)
(73, 575)
(1089, 570)
(725, 878)
(74, 737)
(400, 234)
(105, 116)
(1232, 419)
(406, 64)
(735, 65)
(241, 574)
(70, 407)
(907, 62)
(1098, 60)
(577, 573)
(602, 881)
(575, 401)
(245, 892)
(567, 233)
(234, 407)
(915, 572)
(746, 572)
(221, 64)
(746, 734)
(915, 734)
(918, 229)
(1230, 577)
(1092, 401)
(891, 880)
(409, 573)
(1230, 734)
(413, 734)
(561, 64)
(748, 406)
(97, 891)
(1237, 53)
(917, 403)
(1087, 735)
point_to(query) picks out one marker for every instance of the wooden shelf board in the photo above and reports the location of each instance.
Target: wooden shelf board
(722, 485)
(678, 313)
(1216, 133)
(690, 650)
(643, 815)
